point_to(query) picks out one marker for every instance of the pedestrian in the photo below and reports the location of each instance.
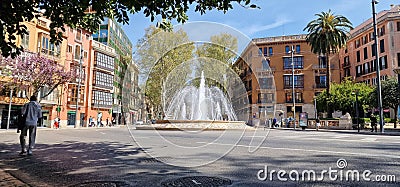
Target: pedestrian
(108, 123)
(56, 124)
(274, 122)
(317, 124)
(32, 112)
(91, 122)
(99, 115)
(374, 122)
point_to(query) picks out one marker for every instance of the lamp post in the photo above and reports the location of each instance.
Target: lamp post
(397, 71)
(357, 113)
(293, 93)
(315, 107)
(77, 120)
(378, 74)
(9, 109)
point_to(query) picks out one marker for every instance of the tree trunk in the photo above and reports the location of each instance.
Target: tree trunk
(328, 82)
(395, 117)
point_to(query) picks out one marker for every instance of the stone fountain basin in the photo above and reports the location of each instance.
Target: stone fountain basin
(195, 125)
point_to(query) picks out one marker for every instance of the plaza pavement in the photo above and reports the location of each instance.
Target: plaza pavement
(8, 178)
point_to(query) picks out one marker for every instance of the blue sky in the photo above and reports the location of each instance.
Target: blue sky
(275, 18)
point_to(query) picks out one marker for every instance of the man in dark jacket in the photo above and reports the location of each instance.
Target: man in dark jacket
(33, 112)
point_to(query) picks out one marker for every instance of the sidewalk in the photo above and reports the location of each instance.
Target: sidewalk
(8, 180)
(387, 132)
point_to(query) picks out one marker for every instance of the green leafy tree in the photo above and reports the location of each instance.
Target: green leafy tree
(343, 97)
(161, 61)
(217, 57)
(326, 35)
(89, 13)
(390, 95)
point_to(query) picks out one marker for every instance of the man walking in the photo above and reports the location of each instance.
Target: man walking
(32, 112)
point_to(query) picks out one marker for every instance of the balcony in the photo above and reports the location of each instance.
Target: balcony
(289, 86)
(320, 85)
(261, 72)
(317, 66)
(297, 101)
(346, 65)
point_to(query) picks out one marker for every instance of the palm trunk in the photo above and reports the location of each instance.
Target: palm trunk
(328, 80)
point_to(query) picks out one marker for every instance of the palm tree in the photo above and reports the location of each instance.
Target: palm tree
(326, 35)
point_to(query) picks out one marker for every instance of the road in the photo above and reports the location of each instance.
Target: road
(127, 157)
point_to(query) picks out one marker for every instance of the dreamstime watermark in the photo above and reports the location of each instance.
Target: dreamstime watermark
(332, 174)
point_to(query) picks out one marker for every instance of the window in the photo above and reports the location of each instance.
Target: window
(25, 40)
(358, 56)
(266, 83)
(85, 54)
(364, 39)
(297, 95)
(265, 64)
(265, 97)
(366, 68)
(287, 49)
(72, 91)
(398, 59)
(381, 31)
(77, 52)
(101, 99)
(383, 62)
(250, 99)
(87, 36)
(373, 65)
(357, 43)
(322, 61)
(382, 45)
(265, 51)
(45, 45)
(373, 49)
(365, 53)
(69, 49)
(298, 62)
(398, 25)
(103, 79)
(298, 81)
(102, 60)
(49, 48)
(271, 51)
(320, 81)
(298, 49)
(358, 71)
(259, 51)
(78, 35)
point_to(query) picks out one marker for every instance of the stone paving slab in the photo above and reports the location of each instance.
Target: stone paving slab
(7, 179)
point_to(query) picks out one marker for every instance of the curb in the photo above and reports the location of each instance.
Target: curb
(388, 132)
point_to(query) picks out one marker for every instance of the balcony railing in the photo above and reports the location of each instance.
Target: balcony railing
(317, 66)
(320, 85)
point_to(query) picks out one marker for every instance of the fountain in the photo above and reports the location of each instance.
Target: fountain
(200, 108)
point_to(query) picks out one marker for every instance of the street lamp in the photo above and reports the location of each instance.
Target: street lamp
(315, 107)
(9, 108)
(357, 114)
(397, 71)
(77, 120)
(378, 74)
(293, 93)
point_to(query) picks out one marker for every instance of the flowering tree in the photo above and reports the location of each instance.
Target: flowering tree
(32, 73)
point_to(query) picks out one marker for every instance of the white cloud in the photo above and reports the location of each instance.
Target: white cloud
(252, 29)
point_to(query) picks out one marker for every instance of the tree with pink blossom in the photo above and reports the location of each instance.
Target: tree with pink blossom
(32, 73)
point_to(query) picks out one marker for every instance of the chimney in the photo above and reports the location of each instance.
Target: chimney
(391, 6)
